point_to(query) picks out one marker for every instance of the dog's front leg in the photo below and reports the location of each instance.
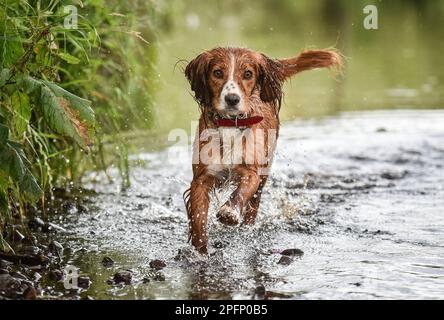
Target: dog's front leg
(197, 207)
(231, 212)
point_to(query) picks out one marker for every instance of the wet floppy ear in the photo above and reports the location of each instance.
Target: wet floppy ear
(311, 59)
(196, 72)
(270, 79)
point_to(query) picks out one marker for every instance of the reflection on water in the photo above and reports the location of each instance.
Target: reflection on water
(361, 194)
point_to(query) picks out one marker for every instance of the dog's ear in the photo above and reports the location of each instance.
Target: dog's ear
(270, 79)
(196, 72)
(311, 59)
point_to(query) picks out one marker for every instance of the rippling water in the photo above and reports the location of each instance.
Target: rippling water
(360, 193)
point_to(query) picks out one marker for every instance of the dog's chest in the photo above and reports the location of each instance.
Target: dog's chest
(229, 147)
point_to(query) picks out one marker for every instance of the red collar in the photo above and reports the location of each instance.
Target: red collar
(238, 122)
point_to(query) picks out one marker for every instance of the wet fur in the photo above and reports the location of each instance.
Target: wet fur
(263, 97)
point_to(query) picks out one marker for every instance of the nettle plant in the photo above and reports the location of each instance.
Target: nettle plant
(42, 125)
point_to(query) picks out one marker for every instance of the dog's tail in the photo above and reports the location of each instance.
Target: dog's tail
(312, 59)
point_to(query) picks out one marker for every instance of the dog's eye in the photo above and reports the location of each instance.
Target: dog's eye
(248, 74)
(218, 74)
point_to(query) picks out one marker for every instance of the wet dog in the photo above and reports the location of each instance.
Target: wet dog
(239, 92)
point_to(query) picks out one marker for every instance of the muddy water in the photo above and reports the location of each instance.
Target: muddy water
(361, 194)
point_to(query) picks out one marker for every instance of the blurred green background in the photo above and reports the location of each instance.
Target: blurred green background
(396, 66)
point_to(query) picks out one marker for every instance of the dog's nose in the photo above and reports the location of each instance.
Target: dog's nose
(232, 99)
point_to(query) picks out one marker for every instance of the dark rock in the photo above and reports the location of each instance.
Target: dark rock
(36, 224)
(285, 260)
(292, 252)
(55, 275)
(56, 248)
(123, 277)
(381, 130)
(157, 264)
(107, 262)
(4, 271)
(30, 293)
(83, 282)
(260, 290)
(278, 295)
(110, 281)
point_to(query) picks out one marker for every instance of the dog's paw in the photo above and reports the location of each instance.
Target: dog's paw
(228, 216)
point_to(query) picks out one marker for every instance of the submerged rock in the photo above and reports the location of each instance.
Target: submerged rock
(285, 260)
(123, 277)
(157, 264)
(83, 282)
(107, 262)
(292, 252)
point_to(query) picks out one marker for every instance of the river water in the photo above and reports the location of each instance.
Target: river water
(360, 193)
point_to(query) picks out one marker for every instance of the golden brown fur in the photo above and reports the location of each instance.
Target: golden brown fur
(259, 80)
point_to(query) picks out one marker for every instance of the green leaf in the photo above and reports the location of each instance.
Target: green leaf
(82, 106)
(62, 119)
(4, 135)
(65, 113)
(10, 41)
(69, 58)
(13, 163)
(4, 76)
(22, 108)
(28, 84)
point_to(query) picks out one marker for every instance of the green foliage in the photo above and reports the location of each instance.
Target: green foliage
(60, 85)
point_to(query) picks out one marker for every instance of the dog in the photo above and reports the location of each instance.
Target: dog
(239, 92)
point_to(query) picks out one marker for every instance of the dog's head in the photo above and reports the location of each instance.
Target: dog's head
(231, 80)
